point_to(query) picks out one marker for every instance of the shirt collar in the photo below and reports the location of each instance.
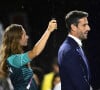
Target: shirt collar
(76, 39)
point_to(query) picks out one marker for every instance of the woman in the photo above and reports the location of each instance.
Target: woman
(15, 60)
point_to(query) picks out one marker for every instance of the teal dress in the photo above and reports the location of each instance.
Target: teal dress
(20, 74)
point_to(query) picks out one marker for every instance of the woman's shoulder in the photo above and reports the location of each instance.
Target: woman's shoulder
(13, 56)
(18, 59)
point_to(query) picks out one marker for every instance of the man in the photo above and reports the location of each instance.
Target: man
(73, 64)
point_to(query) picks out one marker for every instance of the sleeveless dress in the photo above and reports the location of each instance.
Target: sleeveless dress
(20, 73)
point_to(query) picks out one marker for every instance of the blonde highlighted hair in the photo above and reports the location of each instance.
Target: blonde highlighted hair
(10, 45)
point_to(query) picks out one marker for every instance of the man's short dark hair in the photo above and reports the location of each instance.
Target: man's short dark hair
(73, 17)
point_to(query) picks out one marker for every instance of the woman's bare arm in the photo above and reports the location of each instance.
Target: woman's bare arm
(39, 46)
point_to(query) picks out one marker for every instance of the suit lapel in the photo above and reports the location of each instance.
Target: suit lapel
(75, 46)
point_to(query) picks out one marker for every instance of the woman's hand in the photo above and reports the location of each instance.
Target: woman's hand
(52, 25)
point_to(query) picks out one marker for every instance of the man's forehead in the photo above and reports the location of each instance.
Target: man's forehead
(83, 20)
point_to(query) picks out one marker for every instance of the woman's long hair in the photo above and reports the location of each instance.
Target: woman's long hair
(10, 45)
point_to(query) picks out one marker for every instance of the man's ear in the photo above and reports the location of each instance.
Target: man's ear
(73, 27)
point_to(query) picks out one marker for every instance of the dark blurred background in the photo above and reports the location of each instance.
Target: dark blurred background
(34, 15)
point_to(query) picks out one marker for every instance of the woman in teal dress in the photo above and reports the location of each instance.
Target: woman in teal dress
(14, 62)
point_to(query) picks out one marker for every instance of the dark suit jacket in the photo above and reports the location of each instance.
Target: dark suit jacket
(73, 70)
